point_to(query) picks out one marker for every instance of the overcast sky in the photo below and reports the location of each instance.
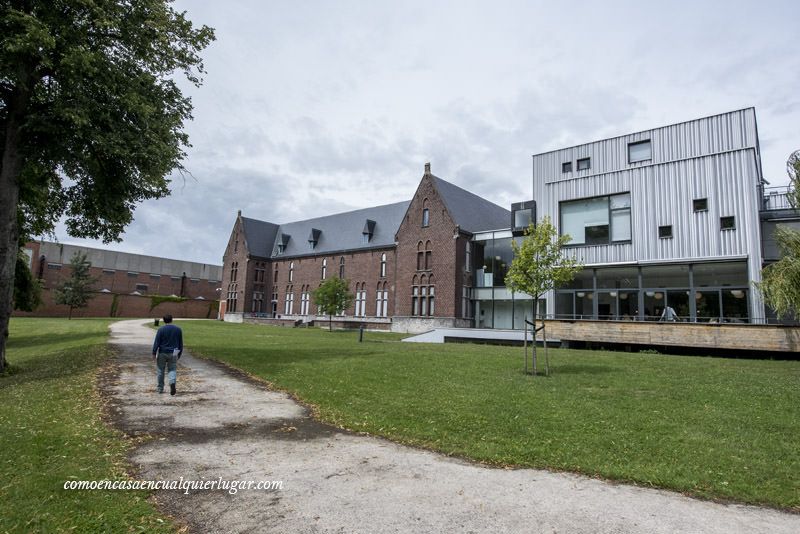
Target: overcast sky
(312, 108)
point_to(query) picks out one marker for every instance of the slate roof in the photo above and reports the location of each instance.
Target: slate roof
(469, 211)
(260, 236)
(342, 231)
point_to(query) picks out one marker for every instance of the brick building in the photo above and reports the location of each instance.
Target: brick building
(409, 264)
(134, 280)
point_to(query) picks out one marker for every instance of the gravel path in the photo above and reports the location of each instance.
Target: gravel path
(223, 424)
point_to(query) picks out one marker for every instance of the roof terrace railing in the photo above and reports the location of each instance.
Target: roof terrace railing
(776, 198)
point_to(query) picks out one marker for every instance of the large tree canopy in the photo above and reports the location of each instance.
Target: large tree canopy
(91, 117)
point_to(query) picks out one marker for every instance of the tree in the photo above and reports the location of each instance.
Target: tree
(76, 291)
(538, 267)
(333, 297)
(780, 282)
(91, 117)
(27, 289)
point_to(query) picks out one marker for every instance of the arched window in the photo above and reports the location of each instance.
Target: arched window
(234, 270)
(415, 300)
(324, 268)
(420, 256)
(385, 300)
(291, 272)
(468, 259)
(275, 278)
(304, 298)
(341, 267)
(426, 216)
(428, 259)
(232, 297)
(383, 265)
(288, 305)
(361, 300)
(378, 301)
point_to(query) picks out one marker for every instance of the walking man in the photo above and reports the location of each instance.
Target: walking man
(167, 349)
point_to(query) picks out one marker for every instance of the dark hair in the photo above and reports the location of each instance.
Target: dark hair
(168, 318)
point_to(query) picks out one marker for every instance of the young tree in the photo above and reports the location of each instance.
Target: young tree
(538, 267)
(780, 283)
(76, 291)
(333, 296)
(91, 116)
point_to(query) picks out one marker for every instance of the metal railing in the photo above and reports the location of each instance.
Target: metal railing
(776, 198)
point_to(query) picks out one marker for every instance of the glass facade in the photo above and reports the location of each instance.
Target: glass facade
(702, 292)
(494, 305)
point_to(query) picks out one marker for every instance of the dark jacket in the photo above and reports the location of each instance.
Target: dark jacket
(168, 338)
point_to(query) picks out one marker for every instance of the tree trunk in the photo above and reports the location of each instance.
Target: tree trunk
(330, 323)
(69, 316)
(10, 168)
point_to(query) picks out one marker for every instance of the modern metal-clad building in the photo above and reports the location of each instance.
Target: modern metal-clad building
(667, 217)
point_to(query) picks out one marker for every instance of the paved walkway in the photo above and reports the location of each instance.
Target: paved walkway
(222, 424)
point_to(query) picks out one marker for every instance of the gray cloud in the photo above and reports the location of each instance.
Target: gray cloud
(312, 108)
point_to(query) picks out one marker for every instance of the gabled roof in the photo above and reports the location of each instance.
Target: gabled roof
(469, 211)
(260, 236)
(342, 231)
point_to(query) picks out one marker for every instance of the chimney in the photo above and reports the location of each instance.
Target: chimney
(427, 168)
(239, 213)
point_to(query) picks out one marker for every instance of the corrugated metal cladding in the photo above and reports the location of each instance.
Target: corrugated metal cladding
(711, 135)
(715, 158)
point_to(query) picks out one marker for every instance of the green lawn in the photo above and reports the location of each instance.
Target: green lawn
(51, 432)
(711, 427)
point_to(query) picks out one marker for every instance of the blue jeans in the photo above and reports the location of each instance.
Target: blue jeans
(170, 362)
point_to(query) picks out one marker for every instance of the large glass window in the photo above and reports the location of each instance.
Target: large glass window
(620, 217)
(721, 274)
(597, 221)
(617, 277)
(704, 292)
(665, 276)
(503, 255)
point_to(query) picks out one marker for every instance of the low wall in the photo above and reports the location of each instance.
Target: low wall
(338, 323)
(114, 305)
(777, 338)
(419, 325)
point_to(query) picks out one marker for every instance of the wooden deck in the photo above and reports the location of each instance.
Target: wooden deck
(701, 335)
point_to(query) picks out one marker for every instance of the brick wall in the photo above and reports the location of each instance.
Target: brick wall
(125, 282)
(359, 267)
(412, 237)
(110, 305)
(236, 252)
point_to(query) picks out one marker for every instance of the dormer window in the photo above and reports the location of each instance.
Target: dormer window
(313, 238)
(366, 233)
(283, 240)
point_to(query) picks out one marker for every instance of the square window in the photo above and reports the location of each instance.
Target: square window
(665, 232)
(584, 164)
(141, 287)
(566, 166)
(640, 151)
(727, 223)
(700, 204)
